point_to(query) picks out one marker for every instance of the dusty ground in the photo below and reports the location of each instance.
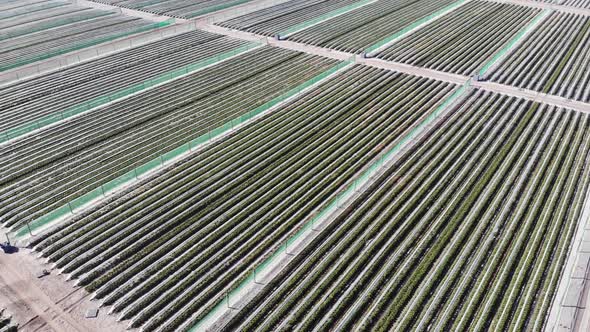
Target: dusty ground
(49, 303)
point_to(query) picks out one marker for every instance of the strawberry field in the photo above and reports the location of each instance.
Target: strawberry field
(270, 21)
(41, 173)
(40, 100)
(576, 3)
(175, 8)
(166, 252)
(357, 30)
(25, 42)
(554, 59)
(19, 18)
(468, 231)
(462, 41)
(295, 165)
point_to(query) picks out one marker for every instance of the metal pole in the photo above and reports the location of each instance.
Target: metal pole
(7, 238)
(29, 227)
(313, 222)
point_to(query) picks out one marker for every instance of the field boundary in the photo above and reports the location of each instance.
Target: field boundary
(569, 304)
(532, 95)
(89, 199)
(404, 68)
(285, 253)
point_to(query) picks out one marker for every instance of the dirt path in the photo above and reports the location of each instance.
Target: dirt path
(403, 68)
(18, 287)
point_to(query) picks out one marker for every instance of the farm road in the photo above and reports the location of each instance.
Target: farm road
(401, 67)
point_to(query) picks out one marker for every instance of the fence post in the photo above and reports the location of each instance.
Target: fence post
(227, 300)
(313, 222)
(28, 227)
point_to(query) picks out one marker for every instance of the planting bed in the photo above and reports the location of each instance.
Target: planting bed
(49, 95)
(41, 172)
(164, 254)
(39, 31)
(463, 40)
(554, 59)
(577, 3)
(362, 27)
(270, 21)
(469, 231)
(48, 16)
(25, 8)
(175, 8)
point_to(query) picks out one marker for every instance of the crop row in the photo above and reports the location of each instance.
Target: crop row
(49, 19)
(554, 59)
(272, 20)
(175, 8)
(35, 21)
(27, 7)
(51, 94)
(576, 3)
(166, 253)
(463, 40)
(469, 231)
(363, 27)
(31, 45)
(60, 163)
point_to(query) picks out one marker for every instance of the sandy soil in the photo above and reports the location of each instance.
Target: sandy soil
(49, 303)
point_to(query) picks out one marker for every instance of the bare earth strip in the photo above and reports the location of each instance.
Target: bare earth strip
(49, 303)
(403, 68)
